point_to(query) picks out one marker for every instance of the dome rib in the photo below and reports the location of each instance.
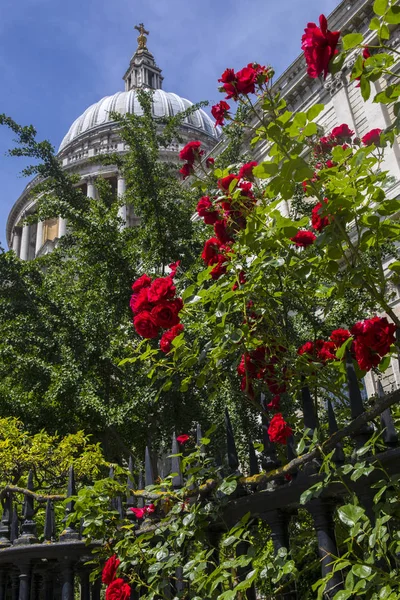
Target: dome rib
(164, 104)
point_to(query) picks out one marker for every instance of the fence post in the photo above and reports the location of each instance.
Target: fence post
(322, 514)
(15, 584)
(67, 573)
(24, 581)
(2, 584)
(278, 521)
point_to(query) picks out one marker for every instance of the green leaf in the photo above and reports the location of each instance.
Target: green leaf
(380, 7)
(314, 111)
(393, 15)
(310, 129)
(230, 540)
(352, 40)
(375, 24)
(228, 486)
(362, 571)
(391, 93)
(395, 266)
(265, 170)
(384, 33)
(365, 88)
(350, 514)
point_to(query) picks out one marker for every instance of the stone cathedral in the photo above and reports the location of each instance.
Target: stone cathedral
(93, 133)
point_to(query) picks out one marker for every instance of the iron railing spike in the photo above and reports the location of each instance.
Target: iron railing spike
(309, 416)
(176, 464)
(148, 469)
(5, 524)
(70, 532)
(253, 462)
(362, 436)
(28, 528)
(233, 460)
(389, 435)
(333, 427)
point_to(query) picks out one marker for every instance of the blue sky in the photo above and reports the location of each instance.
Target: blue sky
(57, 58)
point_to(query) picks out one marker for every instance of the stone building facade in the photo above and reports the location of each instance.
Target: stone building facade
(93, 133)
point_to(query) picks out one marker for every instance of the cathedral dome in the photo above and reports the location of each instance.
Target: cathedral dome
(165, 104)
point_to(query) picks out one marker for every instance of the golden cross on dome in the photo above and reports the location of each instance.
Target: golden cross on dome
(142, 39)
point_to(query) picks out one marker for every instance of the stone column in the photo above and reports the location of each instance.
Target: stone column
(62, 227)
(16, 240)
(91, 190)
(340, 100)
(39, 237)
(121, 189)
(24, 243)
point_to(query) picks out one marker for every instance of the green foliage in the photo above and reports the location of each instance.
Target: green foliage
(48, 456)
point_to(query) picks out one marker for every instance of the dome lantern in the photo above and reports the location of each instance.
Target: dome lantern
(142, 71)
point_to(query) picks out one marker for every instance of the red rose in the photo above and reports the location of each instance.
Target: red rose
(227, 76)
(275, 402)
(168, 336)
(372, 137)
(278, 430)
(145, 325)
(365, 357)
(225, 182)
(205, 209)
(162, 288)
(222, 233)
(186, 170)
(138, 512)
(319, 46)
(110, 569)
(246, 80)
(339, 336)
(190, 152)
(307, 348)
(302, 239)
(220, 267)
(211, 250)
(342, 132)
(173, 268)
(219, 112)
(143, 282)
(246, 172)
(140, 301)
(330, 164)
(228, 80)
(118, 590)
(210, 161)
(166, 313)
(319, 223)
(376, 333)
(325, 350)
(182, 439)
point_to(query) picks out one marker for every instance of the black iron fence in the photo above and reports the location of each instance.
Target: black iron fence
(56, 566)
